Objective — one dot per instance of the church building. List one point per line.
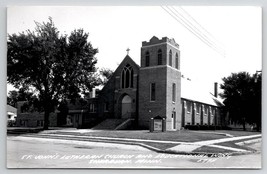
(135, 94)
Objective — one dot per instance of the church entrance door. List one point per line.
(126, 107)
(173, 120)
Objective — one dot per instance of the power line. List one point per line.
(179, 17)
(208, 33)
(195, 31)
(200, 30)
(192, 28)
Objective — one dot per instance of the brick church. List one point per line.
(135, 94)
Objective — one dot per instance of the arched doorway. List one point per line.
(126, 107)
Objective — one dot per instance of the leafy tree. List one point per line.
(242, 98)
(12, 98)
(106, 73)
(20, 95)
(256, 98)
(56, 66)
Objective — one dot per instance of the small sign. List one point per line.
(157, 125)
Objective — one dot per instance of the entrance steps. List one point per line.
(114, 124)
(109, 124)
(128, 123)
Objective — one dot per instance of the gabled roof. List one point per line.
(194, 92)
(127, 59)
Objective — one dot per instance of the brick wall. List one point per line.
(34, 119)
(163, 76)
(113, 94)
(194, 117)
(147, 108)
(173, 77)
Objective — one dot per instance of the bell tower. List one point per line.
(160, 83)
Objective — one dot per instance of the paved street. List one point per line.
(29, 152)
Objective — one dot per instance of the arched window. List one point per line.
(176, 61)
(147, 58)
(170, 57)
(159, 57)
(127, 77)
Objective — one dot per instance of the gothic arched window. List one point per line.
(170, 58)
(147, 58)
(176, 61)
(127, 77)
(159, 57)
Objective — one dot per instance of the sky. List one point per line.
(113, 29)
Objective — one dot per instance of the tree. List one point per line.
(20, 95)
(256, 98)
(12, 98)
(106, 73)
(242, 98)
(56, 66)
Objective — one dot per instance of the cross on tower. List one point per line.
(128, 51)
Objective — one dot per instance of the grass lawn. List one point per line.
(177, 136)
